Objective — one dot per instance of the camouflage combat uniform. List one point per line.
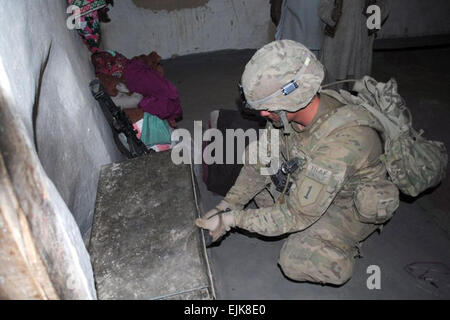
(319, 213)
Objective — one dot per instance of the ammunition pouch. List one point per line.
(376, 201)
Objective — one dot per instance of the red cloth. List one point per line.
(161, 97)
(110, 63)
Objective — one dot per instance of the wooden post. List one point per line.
(22, 273)
(42, 253)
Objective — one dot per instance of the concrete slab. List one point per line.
(144, 244)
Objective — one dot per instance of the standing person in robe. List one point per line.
(348, 42)
(298, 20)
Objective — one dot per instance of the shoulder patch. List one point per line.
(318, 173)
(317, 186)
(309, 191)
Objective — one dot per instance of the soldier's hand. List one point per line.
(222, 206)
(217, 225)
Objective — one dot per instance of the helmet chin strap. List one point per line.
(287, 130)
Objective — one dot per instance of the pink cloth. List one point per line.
(138, 127)
(161, 147)
(161, 97)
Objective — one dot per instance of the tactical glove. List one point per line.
(218, 223)
(215, 223)
(222, 206)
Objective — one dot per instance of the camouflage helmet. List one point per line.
(282, 76)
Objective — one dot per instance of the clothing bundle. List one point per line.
(160, 96)
(138, 86)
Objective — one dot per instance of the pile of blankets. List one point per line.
(138, 86)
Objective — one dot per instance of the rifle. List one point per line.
(124, 134)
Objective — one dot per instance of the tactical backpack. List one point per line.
(414, 163)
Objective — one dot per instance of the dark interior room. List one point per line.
(224, 150)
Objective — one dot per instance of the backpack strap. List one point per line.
(335, 95)
(392, 131)
(343, 117)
